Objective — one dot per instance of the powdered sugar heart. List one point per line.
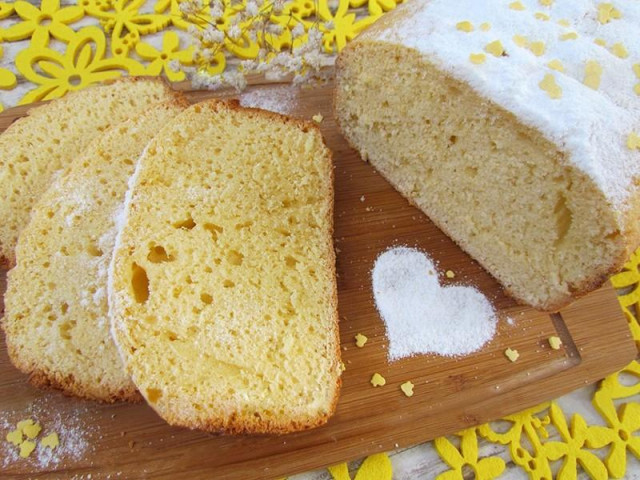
(422, 316)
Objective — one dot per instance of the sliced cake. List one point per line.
(222, 288)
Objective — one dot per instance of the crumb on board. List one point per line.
(450, 274)
(555, 342)
(317, 118)
(361, 340)
(512, 354)
(378, 380)
(407, 388)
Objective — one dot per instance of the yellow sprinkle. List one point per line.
(556, 65)
(477, 58)
(564, 22)
(512, 354)
(24, 423)
(378, 380)
(542, 16)
(568, 36)
(592, 74)
(450, 274)
(51, 441)
(636, 69)
(407, 388)
(32, 431)
(546, 3)
(619, 50)
(26, 448)
(600, 41)
(633, 141)
(485, 27)
(361, 340)
(516, 6)
(537, 48)
(15, 437)
(317, 118)
(607, 12)
(495, 48)
(554, 342)
(637, 88)
(520, 41)
(549, 85)
(343, 367)
(465, 26)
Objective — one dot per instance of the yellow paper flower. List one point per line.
(623, 423)
(125, 24)
(572, 448)
(375, 467)
(7, 78)
(161, 59)
(38, 24)
(176, 17)
(484, 469)
(82, 64)
(6, 9)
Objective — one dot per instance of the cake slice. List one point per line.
(222, 288)
(56, 313)
(36, 146)
(515, 127)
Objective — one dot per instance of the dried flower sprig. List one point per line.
(260, 22)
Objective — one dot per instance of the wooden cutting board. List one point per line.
(130, 441)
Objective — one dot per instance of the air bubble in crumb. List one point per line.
(74, 435)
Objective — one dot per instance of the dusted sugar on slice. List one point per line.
(222, 287)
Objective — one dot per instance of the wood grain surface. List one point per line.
(130, 441)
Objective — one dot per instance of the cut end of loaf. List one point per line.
(222, 289)
(503, 192)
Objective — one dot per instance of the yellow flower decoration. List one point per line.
(175, 15)
(6, 9)
(82, 64)
(619, 434)
(526, 424)
(628, 284)
(7, 79)
(484, 469)
(572, 448)
(344, 28)
(125, 23)
(375, 467)
(161, 59)
(38, 24)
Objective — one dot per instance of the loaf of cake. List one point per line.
(222, 288)
(36, 146)
(514, 126)
(56, 313)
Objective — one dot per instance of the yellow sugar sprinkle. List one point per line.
(554, 342)
(516, 6)
(26, 448)
(51, 441)
(15, 437)
(542, 16)
(633, 141)
(31, 431)
(343, 367)
(537, 48)
(636, 69)
(592, 74)
(485, 27)
(564, 22)
(619, 50)
(549, 85)
(378, 380)
(546, 3)
(317, 118)
(360, 340)
(450, 274)
(607, 12)
(512, 354)
(569, 36)
(636, 88)
(407, 388)
(23, 423)
(465, 26)
(556, 65)
(520, 40)
(495, 48)
(477, 58)
(600, 41)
